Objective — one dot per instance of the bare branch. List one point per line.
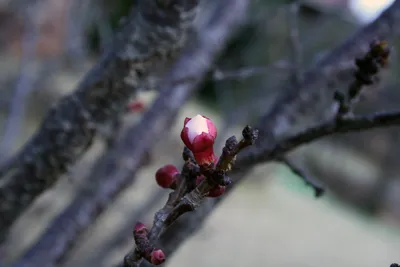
(149, 41)
(290, 102)
(187, 197)
(335, 126)
(368, 68)
(117, 169)
(313, 98)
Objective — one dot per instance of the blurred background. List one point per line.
(272, 219)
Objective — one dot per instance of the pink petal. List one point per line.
(186, 121)
(185, 138)
(202, 142)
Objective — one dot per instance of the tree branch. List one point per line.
(335, 126)
(276, 121)
(117, 169)
(319, 190)
(187, 196)
(312, 99)
(151, 38)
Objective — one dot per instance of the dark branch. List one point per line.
(343, 125)
(149, 41)
(117, 169)
(186, 199)
(312, 99)
(368, 69)
(319, 190)
(276, 122)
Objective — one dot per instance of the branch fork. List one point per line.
(199, 179)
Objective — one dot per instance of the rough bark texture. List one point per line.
(118, 167)
(152, 37)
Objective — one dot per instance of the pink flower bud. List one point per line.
(199, 134)
(166, 176)
(157, 257)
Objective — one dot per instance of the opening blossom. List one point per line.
(199, 134)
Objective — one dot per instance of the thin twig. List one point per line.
(334, 126)
(121, 236)
(318, 188)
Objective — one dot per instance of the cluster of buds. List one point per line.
(203, 175)
(198, 135)
(368, 68)
(154, 255)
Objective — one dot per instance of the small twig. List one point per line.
(335, 126)
(368, 68)
(154, 198)
(318, 188)
(185, 199)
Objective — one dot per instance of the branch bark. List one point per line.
(117, 169)
(313, 98)
(287, 111)
(152, 37)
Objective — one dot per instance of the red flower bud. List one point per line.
(217, 191)
(166, 176)
(157, 257)
(199, 134)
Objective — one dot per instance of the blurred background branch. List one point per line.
(278, 71)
